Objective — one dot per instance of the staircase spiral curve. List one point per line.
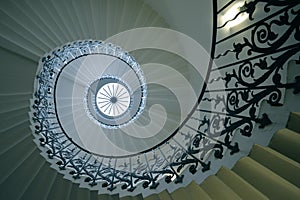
(128, 99)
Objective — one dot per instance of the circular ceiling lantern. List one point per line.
(100, 80)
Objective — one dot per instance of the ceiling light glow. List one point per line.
(231, 14)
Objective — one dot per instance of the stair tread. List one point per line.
(20, 179)
(61, 188)
(19, 21)
(136, 197)
(65, 20)
(287, 142)
(78, 193)
(94, 195)
(15, 137)
(195, 191)
(239, 185)
(266, 181)
(108, 197)
(165, 195)
(14, 101)
(18, 50)
(20, 82)
(179, 194)
(152, 197)
(44, 21)
(53, 17)
(278, 163)
(13, 32)
(36, 190)
(35, 23)
(293, 122)
(14, 157)
(217, 189)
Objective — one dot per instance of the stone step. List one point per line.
(239, 185)
(165, 195)
(136, 197)
(217, 189)
(287, 142)
(36, 190)
(293, 122)
(21, 178)
(195, 191)
(266, 181)
(61, 188)
(278, 163)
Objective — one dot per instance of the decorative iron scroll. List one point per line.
(230, 103)
(261, 51)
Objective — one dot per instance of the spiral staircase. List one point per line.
(256, 152)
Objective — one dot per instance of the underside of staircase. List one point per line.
(271, 172)
(30, 29)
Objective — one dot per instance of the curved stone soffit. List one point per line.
(238, 80)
